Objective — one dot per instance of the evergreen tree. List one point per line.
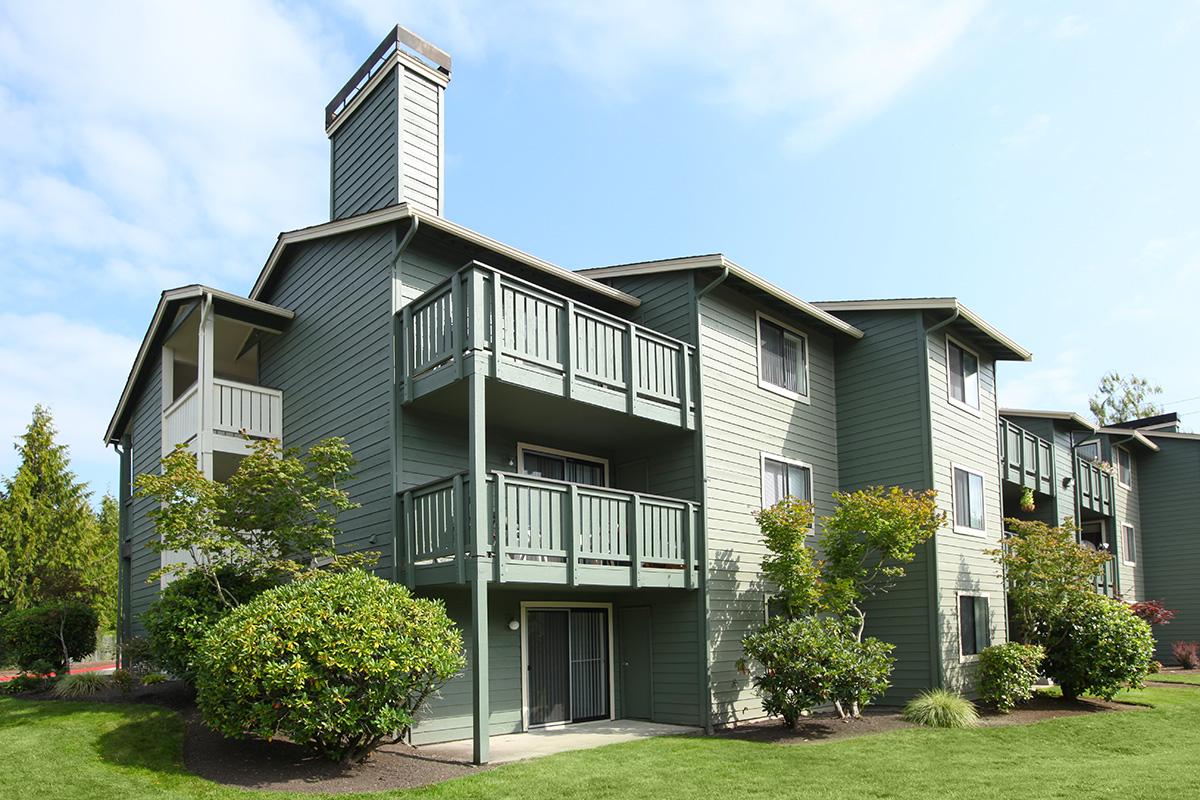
(48, 532)
(105, 561)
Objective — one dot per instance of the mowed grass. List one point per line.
(1191, 678)
(64, 751)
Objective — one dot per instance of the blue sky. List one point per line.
(1037, 160)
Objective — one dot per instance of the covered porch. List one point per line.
(548, 741)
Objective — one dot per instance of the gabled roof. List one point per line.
(1169, 420)
(1065, 416)
(1003, 347)
(252, 312)
(403, 211)
(719, 261)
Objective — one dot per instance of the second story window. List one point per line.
(782, 478)
(1088, 451)
(1128, 545)
(968, 501)
(1124, 467)
(782, 359)
(963, 366)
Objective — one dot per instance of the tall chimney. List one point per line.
(385, 129)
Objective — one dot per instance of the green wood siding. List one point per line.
(741, 422)
(882, 441)
(673, 644)
(666, 302)
(364, 169)
(1170, 559)
(1127, 511)
(146, 437)
(334, 367)
(968, 440)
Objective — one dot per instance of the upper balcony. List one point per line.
(1093, 486)
(545, 341)
(548, 531)
(1026, 459)
(237, 410)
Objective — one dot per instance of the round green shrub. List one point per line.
(53, 634)
(188, 608)
(1098, 647)
(814, 661)
(81, 684)
(941, 708)
(341, 662)
(1008, 672)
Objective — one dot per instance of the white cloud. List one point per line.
(821, 67)
(68, 366)
(1070, 27)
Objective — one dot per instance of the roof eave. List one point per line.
(1065, 416)
(718, 261)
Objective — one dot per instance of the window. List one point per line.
(963, 366)
(974, 630)
(560, 465)
(1128, 545)
(783, 478)
(968, 501)
(1089, 451)
(782, 359)
(1124, 467)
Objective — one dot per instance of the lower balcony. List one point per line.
(550, 532)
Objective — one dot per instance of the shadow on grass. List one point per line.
(148, 739)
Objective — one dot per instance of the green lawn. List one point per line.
(53, 751)
(1191, 678)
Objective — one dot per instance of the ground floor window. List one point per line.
(1128, 545)
(973, 627)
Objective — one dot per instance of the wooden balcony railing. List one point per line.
(548, 531)
(543, 340)
(1093, 487)
(1026, 459)
(236, 408)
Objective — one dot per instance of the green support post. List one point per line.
(479, 659)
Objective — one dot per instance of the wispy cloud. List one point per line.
(818, 67)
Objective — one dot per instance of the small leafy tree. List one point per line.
(790, 563)
(1153, 612)
(49, 635)
(276, 514)
(1047, 571)
(868, 539)
(1122, 398)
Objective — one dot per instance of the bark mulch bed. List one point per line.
(881, 719)
(278, 765)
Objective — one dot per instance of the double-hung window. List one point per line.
(968, 501)
(974, 630)
(782, 478)
(963, 367)
(782, 359)
(1128, 544)
(1124, 467)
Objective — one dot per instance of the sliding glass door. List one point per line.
(567, 665)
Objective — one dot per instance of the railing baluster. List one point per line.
(631, 366)
(567, 349)
(571, 536)
(501, 527)
(410, 541)
(635, 545)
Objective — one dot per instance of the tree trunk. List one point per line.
(1068, 692)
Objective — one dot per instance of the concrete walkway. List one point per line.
(547, 741)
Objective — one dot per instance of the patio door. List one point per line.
(567, 665)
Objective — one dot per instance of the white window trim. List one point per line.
(958, 596)
(976, 410)
(526, 605)
(1130, 562)
(762, 472)
(954, 502)
(768, 386)
(522, 447)
(1117, 458)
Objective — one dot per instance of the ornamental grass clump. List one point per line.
(81, 684)
(941, 708)
(341, 662)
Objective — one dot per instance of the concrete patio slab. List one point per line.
(547, 741)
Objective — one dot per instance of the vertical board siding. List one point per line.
(334, 367)
(364, 151)
(882, 442)
(741, 422)
(146, 438)
(967, 440)
(1170, 559)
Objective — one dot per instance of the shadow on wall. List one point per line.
(959, 671)
(726, 630)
